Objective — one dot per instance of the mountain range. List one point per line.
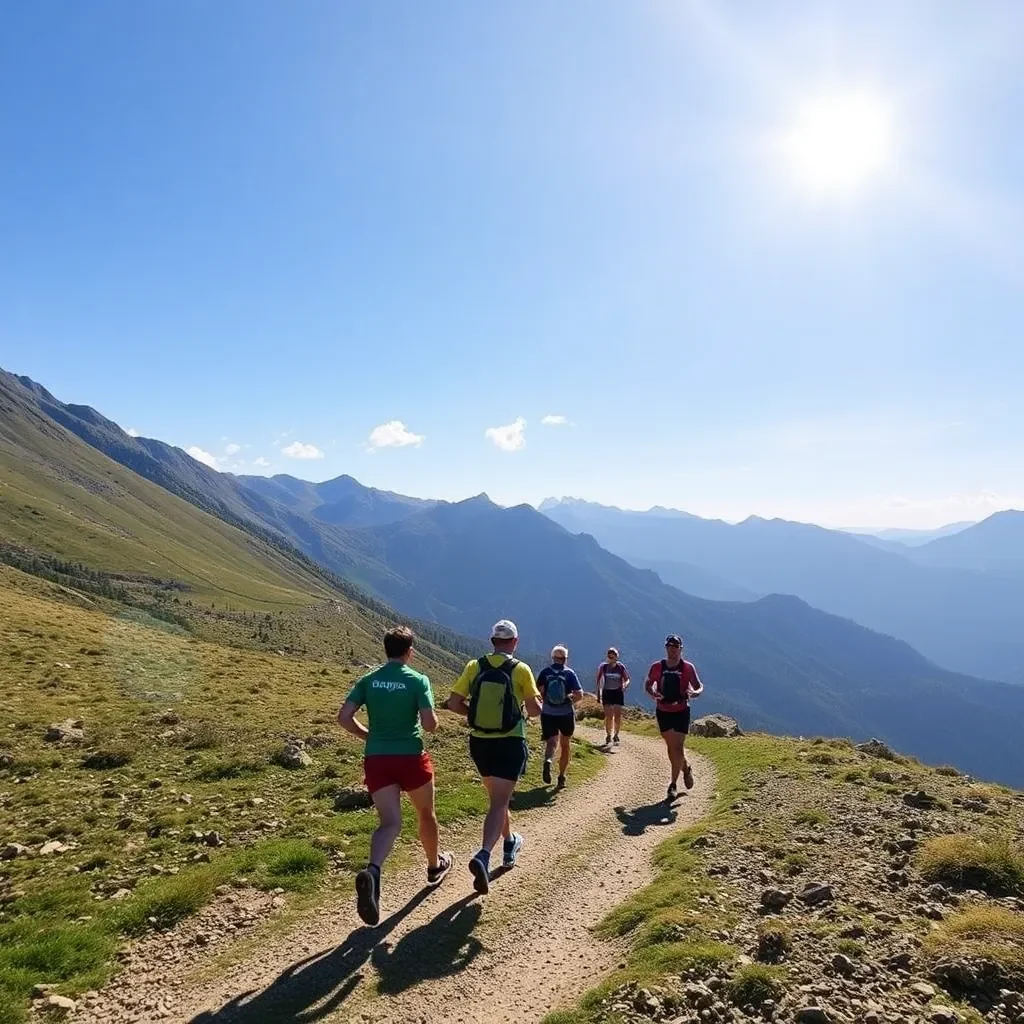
(772, 660)
(958, 599)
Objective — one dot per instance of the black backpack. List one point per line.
(673, 689)
(493, 707)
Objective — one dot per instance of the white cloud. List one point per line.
(298, 450)
(233, 449)
(509, 438)
(204, 457)
(132, 432)
(261, 462)
(555, 421)
(394, 434)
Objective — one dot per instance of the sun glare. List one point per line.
(839, 142)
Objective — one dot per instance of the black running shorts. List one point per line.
(501, 758)
(612, 698)
(675, 721)
(553, 725)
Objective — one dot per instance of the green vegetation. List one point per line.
(990, 933)
(752, 984)
(851, 947)
(965, 861)
(181, 735)
(811, 816)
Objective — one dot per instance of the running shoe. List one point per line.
(435, 876)
(687, 776)
(481, 875)
(547, 773)
(511, 850)
(616, 740)
(607, 741)
(672, 792)
(368, 896)
(561, 782)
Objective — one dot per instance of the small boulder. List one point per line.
(817, 892)
(71, 730)
(294, 755)
(775, 899)
(923, 990)
(352, 800)
(716, 726)
(944, 1015)
(12, 850)
(52, 847)
(813, 1015)
(876, 748)
(843, 965)
(40, 991)
(921, 800)
(59, 1005)
(6, 759)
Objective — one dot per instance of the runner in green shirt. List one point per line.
(400, 706)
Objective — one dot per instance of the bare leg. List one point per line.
(423, 800)
(563, 754)
(388, 802)
(497, 823)
(609, 715)
(617, 719)
(674, 753)
(549, 748)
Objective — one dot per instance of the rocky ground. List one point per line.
(834, 897)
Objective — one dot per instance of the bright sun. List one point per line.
(839, 142)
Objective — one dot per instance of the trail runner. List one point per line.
(672, 682)
(560, 687)
(496, 693)
(400, 707)
(612, 683)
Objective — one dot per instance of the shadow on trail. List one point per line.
(637, 821)
(531, 799)
(437, 949)
(315, 987)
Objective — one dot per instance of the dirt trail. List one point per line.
(447, 955)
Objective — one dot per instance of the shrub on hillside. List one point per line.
(108, 757)
(980, 947)
(754, 984)
(965, 862)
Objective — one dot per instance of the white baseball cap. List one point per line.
(504, 629)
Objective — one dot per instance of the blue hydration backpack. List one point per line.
(556, 690)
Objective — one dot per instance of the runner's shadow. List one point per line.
(531, 799)
(637, 821)
(314, 987)
(438, 949)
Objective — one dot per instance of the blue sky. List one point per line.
(265, 230)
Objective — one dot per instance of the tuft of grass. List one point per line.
(990, 933)
(966, 862)
(851, 947)
(108, 757)
(292, 864)
(163, 902)
(795, 862)
(752, 984)
(811, 816)
(774, 939)
(947, 769)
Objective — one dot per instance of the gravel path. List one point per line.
(447, 954)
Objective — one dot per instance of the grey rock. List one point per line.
(59, 1005)
(294, 755)
(716, 726)
(944, 1015)
(923, 990)
(876, 748)
(817, 892)
(813, 1015)
(843, 965)
(775, 899)
(52, 847)
(921, 800)
(12, 850)
(352, 800)
(71, 730)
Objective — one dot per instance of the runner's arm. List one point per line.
(651, 686)
(695, 679)
(348, 721)
(625, 677)
(459, 699)
(428, 719)
(599, 681)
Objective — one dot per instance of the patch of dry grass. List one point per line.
(967, 862)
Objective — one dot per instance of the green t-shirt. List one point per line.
(393, 696)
